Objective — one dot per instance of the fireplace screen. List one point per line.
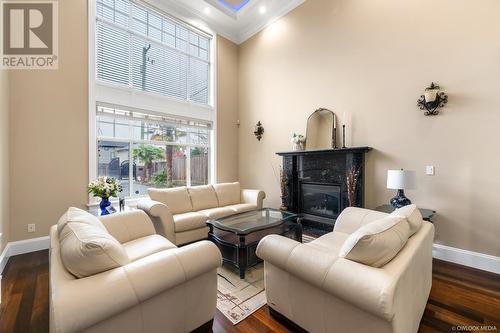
(321, 200)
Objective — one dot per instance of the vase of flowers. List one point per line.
(298, 141)
(104, 188)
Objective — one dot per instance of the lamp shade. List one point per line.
(401, 179)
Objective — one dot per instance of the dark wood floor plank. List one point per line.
(467, 300)
(39, 321)
(459, 296)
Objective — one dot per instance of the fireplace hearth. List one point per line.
(316, 183)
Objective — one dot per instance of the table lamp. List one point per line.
(401, 180)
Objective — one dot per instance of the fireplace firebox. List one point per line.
(315, 183)
(320, 200)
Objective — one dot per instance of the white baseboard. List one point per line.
(477, 260)
(21, 247)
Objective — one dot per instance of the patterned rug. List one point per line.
(238, 299)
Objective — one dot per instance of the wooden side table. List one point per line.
(427, 214)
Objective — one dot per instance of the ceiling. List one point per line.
(237, 20)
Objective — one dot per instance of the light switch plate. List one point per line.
(429, 170)
(31, 228)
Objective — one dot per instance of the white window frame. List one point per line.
(118, 95)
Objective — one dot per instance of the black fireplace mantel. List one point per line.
(322, 167)
(326, 151)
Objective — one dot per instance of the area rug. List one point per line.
(238, 299)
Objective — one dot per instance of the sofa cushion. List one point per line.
(241, 208)
(87, 249)
(203, 197)
(228, 193)
(376, 243)
(145, 246)
(217, 213)
(412, 215)
(74, 214)
(177, 199)
(189, 221)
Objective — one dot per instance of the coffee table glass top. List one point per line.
(245, 223)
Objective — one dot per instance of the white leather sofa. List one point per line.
(316, 287)
(130, 279)
(180, 214)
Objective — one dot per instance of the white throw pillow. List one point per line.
(74, 214)
(86, 248)
(376, 243)
(413, 216)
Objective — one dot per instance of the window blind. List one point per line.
(139, 47)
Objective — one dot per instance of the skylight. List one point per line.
(234, 5)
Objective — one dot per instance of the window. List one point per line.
(144, 150)
(140, 48)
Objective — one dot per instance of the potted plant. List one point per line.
(299, 141)
(104, 188)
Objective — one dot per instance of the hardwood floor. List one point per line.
(460, 296)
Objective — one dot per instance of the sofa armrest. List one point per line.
(127, 226)
(254, 197)
(82, 303)
(353, 218)
(368, 288)
(161, 216)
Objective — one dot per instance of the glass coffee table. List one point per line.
(237, 236)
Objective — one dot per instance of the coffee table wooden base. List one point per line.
(239, 250)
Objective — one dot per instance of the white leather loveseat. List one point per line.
(115, 274)
(180, 214)
(373, 273)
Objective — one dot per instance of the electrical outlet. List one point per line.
(31, 227)
(429, 170)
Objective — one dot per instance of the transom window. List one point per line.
(141, 48)
(145, 150)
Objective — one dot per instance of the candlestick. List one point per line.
(343, 136)
(334, 139)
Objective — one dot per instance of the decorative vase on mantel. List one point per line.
(298, 146)
(104, 204)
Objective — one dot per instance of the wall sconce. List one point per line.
(259, 131)
(432, 99)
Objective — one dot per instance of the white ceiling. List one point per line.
(236, 20)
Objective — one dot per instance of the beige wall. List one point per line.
(4, 159)
(373, 59)
(227, 110)
(49, 131)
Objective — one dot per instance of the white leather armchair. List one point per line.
(162, 289)
(321, 292)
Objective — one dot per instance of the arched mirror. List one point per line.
(321, 130)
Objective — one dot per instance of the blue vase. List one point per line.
(105, 203)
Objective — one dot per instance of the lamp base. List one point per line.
(400, 200)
